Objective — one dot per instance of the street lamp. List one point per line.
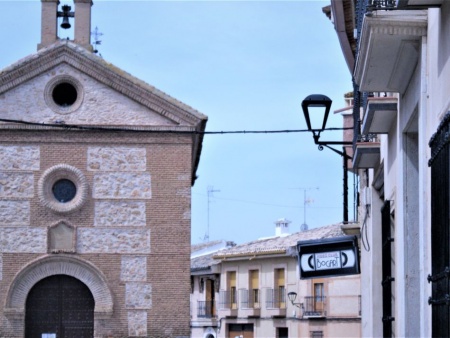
(323, 103)
(292, 296)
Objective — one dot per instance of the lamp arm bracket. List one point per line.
(343, 154)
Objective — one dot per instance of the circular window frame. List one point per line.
(50, 87)
(54, 174)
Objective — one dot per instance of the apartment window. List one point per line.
(280, 290)
(254, 288)
(232, 289)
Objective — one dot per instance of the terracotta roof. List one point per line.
(279, 245)
(203, 262)
(204, 245)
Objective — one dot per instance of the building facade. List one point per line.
(251, 283)
(95, 178)
(400, 63)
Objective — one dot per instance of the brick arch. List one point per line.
(59, 265)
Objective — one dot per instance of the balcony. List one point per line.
(276, 302)
(206, 309)
(250, 302)
(314, 307)
(389, 45)
(379, 115)
(332, 307)
(228, 306)
(403, 4)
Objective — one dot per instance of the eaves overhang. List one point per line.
(379, 115)
(251, 255)
(389, 49)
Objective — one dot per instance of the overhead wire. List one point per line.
(196, 132)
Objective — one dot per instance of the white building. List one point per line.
(399, 59)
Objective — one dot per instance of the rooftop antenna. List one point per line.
(210, 193)
(306, 202)
(97, 42)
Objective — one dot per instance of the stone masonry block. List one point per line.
(138, 295)
(19, 158)
(16, 185)
(117, 185)
(116, 159)
(137, 323)
(107, 240)
(23, 240)
(134, 268)
(14, 213)
(123, 213)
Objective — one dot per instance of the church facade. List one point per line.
(96, 172)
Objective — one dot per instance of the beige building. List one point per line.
(245, 290)
(95, 183)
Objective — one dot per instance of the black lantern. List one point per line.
(321, 104)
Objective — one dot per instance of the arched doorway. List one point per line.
(60, 306)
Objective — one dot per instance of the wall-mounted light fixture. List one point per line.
(322, 105)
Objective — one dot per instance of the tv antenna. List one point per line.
(306, 202)
(210, 193)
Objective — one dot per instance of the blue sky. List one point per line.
(247, 65)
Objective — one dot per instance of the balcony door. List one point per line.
(318, 296)
(210, 298)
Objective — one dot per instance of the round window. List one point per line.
(64, 94)
(63, 188)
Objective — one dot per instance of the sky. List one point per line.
(247, 65)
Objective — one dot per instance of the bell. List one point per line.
(65, 23)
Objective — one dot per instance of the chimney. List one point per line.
(82, 22)
(282, 227)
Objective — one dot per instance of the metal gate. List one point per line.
(59, 307)
(440, 234)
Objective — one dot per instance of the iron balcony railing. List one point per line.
(250, 299)
(228, 299)
(206, 309)
(276, 298)
(332, 306)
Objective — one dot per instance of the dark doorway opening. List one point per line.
(59, 306)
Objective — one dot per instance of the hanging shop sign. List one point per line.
(328, 257)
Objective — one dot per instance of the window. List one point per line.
(232, 289)
(280, 290)
(254, 288)
(316, 334)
